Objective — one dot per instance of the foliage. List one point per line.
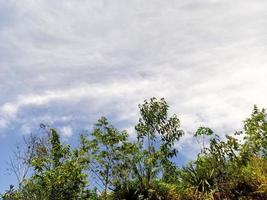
(109, 152)
(120, 169)
(255, 130)
(201, 135)
(57, 169)
(156, 134)
(158, 190)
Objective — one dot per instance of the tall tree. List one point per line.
(108, 149)
(157, 134)
(255, 131)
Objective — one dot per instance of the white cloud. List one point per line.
(84, 59)
(66, 131)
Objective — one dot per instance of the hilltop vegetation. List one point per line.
(109, 166)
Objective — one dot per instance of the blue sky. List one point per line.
(66, 63)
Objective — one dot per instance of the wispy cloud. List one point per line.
(69, 62)
(66, 131)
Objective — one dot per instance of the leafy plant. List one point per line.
(108, 152)
(156, 133)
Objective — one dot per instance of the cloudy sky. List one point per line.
(66, 63)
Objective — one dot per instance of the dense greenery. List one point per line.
(108, 165)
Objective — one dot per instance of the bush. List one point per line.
(158, 190)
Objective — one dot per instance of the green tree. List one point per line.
(255, 131)
(108, 152)
(209, 170)
(157, 134)
(201, 135)
(58, 172)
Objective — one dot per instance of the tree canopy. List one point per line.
(108, 165)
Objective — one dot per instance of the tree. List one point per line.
(255, 131)
(108, 151)
(20, 161)
(58, 172)
(209, 170)
(157, 134)
(201, 136)
(144, 169)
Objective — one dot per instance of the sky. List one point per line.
(67, 63)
